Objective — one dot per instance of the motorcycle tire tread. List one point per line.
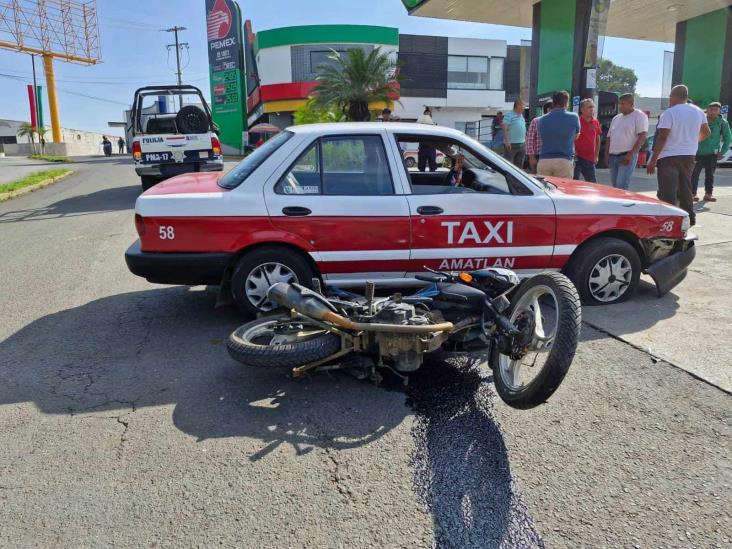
(562, 353)
(289, 355)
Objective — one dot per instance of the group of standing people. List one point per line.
(563, 144)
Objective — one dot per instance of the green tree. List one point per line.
(310, 113)
(614, 78)
(27, 130)
(354, 80)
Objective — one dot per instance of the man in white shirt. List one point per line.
(678, 133)
(627, 133)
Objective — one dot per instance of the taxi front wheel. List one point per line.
(259, 269)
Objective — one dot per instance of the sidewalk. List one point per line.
(15, 167)
(686, 327)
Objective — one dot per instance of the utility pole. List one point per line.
(177, 47)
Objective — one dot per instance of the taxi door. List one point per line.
(508, 224)
(340, 199)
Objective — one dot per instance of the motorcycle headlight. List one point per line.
(685, 224)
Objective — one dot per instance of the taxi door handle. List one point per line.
(296, 211)
(429, 210)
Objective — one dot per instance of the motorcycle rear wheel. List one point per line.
(554, 303)
(265, 344)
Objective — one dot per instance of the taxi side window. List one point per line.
(344, 166)
(304, 175)
(355, 166)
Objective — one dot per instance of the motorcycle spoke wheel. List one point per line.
(541, 303)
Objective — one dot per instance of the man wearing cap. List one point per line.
(386, 115)
(710, 150)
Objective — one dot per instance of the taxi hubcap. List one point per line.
(261, 278)
(610, 278)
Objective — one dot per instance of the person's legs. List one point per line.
(432, 158)
(421, 160)
(588, 171)
(613, 162)
(564, 168)
(685, 165)
(544, 167)
(668, 181)
(519, 154)
(625, 172)
(698, 165)
(709, 169)
(577, 169)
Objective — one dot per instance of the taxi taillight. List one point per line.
(139, 225)
(215, 145)
(136, 150)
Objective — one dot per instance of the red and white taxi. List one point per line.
(336, 201)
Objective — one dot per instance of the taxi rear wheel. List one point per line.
(257, 270)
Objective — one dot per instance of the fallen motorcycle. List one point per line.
(528, 330)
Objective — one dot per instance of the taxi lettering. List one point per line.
(473, 263)
(500, 232)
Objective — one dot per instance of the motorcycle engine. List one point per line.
(404, 350)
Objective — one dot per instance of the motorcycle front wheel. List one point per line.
(547, 304)
(280, 342)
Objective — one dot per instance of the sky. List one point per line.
(134, 51)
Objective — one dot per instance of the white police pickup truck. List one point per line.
(165, 145)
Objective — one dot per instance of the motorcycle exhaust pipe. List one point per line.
(309, 303)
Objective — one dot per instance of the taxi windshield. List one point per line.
(251, 162)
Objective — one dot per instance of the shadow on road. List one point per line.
(166, 346)
(105, 200)
(643, 311)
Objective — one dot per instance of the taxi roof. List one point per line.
(375, 127)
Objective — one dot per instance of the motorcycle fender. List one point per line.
(668, 272)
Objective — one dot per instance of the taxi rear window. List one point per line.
(245, 168)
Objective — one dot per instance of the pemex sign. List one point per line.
(226, 67)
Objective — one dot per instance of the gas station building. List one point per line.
(565, 35)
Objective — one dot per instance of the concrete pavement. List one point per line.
(685, 327)
(126, 423)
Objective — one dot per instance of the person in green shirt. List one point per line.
(514, 134)
(710, 150)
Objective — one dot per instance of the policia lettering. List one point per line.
(500, 232)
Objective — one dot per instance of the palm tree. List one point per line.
(41, 132)
(354, 80)
(27, 130)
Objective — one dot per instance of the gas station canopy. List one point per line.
(653, 20)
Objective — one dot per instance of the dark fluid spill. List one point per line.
(462, 473)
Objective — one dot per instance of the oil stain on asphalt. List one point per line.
(461, 468)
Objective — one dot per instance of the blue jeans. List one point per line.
(619, 173)
(585, 168)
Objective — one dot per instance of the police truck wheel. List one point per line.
(257, 270)
(605, 271)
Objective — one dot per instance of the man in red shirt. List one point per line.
(587, 145)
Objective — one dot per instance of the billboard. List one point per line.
(226, 70)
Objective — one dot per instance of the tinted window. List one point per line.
(245, 168)
(355, 166)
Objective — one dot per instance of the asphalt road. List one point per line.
(126, 423)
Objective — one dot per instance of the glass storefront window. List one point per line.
(467, 72)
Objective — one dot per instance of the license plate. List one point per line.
(158, 157)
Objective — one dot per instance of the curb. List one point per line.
(25, 190)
